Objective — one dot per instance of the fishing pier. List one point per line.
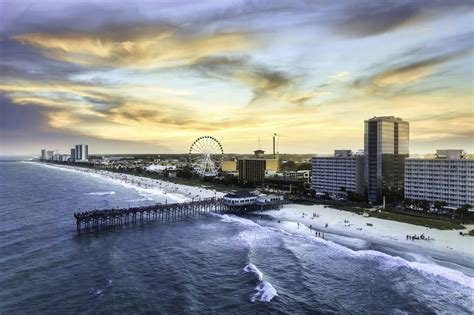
(97, 220)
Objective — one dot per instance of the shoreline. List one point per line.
(346, 224)
(349, 234)
(166, 189)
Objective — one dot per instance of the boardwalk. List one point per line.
(103, 219)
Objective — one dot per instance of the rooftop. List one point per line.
(386, 118)
(240, 194)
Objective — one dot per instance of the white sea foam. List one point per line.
(102, 193)
(427, 268)
(230, 218)
(253, 269)
(265, 292)
(100, 291)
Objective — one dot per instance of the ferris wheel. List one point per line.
(206, 156)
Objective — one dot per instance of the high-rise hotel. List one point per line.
(338, 174)
(448, 177)
(386, 148)
(81, 152)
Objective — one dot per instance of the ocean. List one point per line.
(212, 264)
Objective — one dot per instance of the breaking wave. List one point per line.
(427, 268)
(101, 193)
(265, 292)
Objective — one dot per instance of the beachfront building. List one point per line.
(73, 155)
(448, 177)
(239, 198)
(336, 175)
(386, 141)
(249, 200)
(81, 152)
(43, 154)
(63, 158)
(253, 170)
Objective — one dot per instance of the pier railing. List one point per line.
(104, 219)
(96, 220)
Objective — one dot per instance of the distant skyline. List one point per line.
(152, 76)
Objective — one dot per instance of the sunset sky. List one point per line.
(151, 76)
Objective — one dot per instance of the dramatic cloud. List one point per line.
(137, 47)
(129, 73)
(415, 65)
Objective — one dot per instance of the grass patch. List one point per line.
(441, 224)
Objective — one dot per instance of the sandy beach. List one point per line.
(332, 221)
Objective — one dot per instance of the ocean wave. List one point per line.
(253, 269)
(231, 218)
(140, 199)
(265, 291)
(100, 291)
(426, 267)
(101, 193)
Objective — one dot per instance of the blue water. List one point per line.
(214, 264)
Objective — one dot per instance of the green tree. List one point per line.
(463, 210)
(439, 205)
(185, 172)
(424, 204)
(304, 167)
(354, 197)
(288, 166)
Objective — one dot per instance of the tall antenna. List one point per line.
(259, 143)
(274, 152)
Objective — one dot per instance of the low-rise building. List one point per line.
(302, 175)
(229, 166)
(244, 199)
(338, 174)
(449, 177)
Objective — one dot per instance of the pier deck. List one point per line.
(96, 220)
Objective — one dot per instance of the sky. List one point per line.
(152, 76)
